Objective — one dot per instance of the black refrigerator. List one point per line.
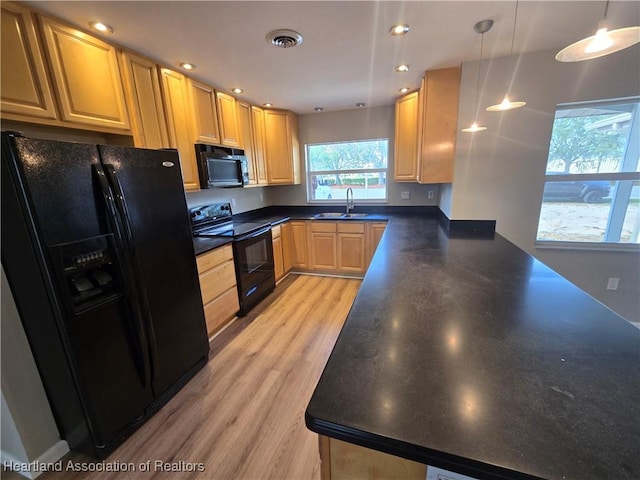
(98, 251)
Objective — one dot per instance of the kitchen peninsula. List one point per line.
(465, 353)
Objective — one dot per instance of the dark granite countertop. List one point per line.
(276, 216)
(470, 355)
(204, 244)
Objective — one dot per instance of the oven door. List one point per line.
(253, 255)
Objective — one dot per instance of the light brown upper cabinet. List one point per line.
(282, 149)
(86, 77)
(142, 87)
(440, 95)
(205, 113)
(246, 129)
(406, 138)
(25, 88)
(257, 121)
(228, 120)
(176, 96)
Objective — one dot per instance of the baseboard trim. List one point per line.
(38, 466)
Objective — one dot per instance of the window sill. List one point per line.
(343, 202)
(586, 246)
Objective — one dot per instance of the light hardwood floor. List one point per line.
(242, 416)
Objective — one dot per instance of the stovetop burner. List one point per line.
(215, 220)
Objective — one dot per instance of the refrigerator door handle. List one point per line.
(116, 227)
(121, 206)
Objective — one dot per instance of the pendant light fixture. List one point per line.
(507, 104)
(482, 27)
(602, 43)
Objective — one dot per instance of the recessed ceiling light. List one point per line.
(404, 90)
(402, 68)
(399, 29)
(360, 104)
(188, 66)
(101, 27)
(267, 105)
(318, 109)
(237, 90)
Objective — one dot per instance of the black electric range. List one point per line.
(252, 250)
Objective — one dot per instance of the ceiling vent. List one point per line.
(284, 38)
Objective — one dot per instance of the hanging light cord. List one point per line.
(479, 70)
(515, 20)
(606, 9)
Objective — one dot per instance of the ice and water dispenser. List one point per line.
(89, 270)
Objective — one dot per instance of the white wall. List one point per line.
(499, 173)
(355, 124)
(30, 431)
(243, 199)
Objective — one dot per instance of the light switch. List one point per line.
(405, 195)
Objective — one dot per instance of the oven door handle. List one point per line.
(255, 234)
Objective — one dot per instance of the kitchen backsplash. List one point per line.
(241, 199)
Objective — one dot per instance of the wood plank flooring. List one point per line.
(242, 416)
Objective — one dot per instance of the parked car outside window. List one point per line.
(585, 191)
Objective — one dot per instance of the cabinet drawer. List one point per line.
(276, 231)
(220, 310)
(216, 280)
(351, 227)
(323, 226)
(214, 257)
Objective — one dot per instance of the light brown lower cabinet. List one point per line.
(287, 247)
(351, 247)
(218, 287)
(334, 247)
(278, 257)
(323, 248)
(342, 460)
(299, 247)
(374, 231)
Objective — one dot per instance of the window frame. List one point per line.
(309, 173)
(621, 196)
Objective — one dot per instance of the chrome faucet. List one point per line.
(350, 205)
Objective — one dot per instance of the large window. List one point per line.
(592, 188)
(332, 168)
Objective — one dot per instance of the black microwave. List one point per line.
(221, 167)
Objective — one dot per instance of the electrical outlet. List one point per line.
(405, 195)
(262, 197)
(233, 202)
(613, 283)
(430, 194)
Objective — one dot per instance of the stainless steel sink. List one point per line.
(340, 215)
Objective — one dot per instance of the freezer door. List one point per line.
(64, 267)
(150, 184)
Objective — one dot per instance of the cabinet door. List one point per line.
(323, 245)
(287, 246)
(351, 247)
(257, 117)
(373, 235)
(148, 123)
(439, 126)
(278, 259)
(228, 120)
(278, 148)
(174, 88)
(205, 116)
(246, 129)
(406, 138)
(86, 77)
(300, 249)
(25, 88)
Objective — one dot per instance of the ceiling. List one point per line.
(347, 55)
